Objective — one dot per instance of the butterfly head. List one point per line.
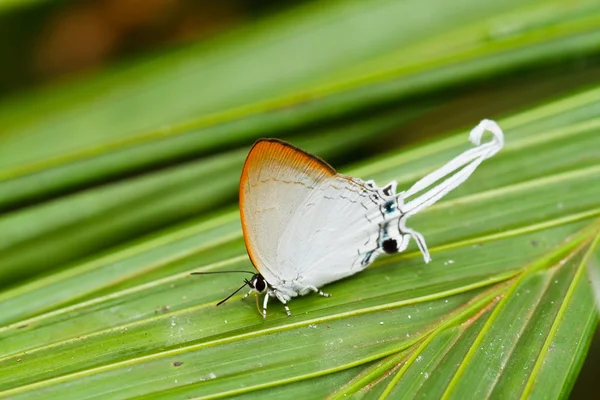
(257, 282)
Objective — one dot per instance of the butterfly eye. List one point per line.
(259, 284)
(390, 246)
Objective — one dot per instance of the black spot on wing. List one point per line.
(390, 246)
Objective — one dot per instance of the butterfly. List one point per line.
(305, 225)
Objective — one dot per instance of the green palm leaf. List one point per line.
(94, 306)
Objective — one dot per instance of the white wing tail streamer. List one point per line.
(466, 164)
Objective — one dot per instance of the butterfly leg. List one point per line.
(420, 243)
(248, 294)
(287, 310)
(265, 301)
(418, 238)
(314, 289)
(283, 301)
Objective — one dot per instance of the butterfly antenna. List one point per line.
(231, 295)
(222, 272)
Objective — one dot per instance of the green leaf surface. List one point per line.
(183, 325)
(101, 231)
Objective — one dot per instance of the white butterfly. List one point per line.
(306, 225)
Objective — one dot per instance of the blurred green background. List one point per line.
(46, 41)
(47, 47)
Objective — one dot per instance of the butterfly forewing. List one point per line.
(276, 180)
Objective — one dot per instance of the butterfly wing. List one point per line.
(277, 179)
